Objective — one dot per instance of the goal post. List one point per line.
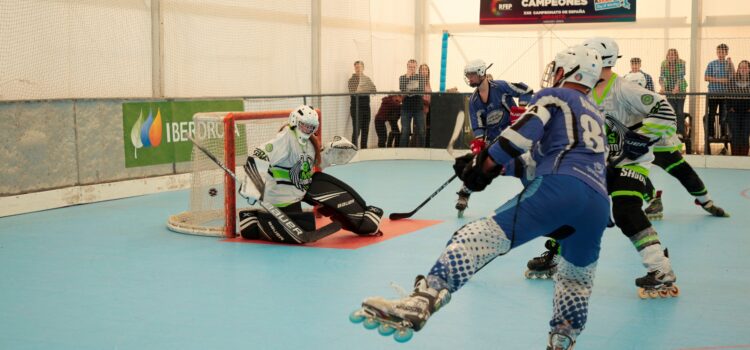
(231, 137)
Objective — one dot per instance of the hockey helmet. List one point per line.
(304, 121)
(607, 48)
(580, 64)
(477, 67)
(637, 78)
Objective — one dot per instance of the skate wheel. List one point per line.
(642, 293)
(370, 323)
(653, 293)
(403, 335)
(356, 317)
(674, 291)
(664, 293)
(528, 275)
(386, 330)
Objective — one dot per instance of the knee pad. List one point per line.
(628, 215)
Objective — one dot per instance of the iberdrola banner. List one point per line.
(555, 11)
(156, 132)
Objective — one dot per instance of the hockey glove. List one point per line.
(475, 178)
(516, 113)
(461, 163)
(477, 145)
(249, 191)
(636, 145)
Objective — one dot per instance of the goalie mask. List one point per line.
(477, 67)
(607, 48)
(637, 78)
(304, 121)
(581, 65)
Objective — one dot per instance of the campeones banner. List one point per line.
(555, 11)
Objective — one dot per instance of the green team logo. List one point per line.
(647, 99)
(302, 172)
(269, 148)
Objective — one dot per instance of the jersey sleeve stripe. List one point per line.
(517, 139)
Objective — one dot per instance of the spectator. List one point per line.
(635, 67)
(672, 82)
(389, 112)
(359, 109)
(412, 106)
(424, 72)
(739, 110)
(718, 73)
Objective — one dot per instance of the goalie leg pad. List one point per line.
(344, 205)
(258, 224)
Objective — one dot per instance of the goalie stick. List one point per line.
(294, 231)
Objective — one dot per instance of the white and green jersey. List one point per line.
(290, 167)
(639, 110)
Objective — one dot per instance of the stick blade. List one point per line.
(399, 216)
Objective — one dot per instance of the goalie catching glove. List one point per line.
(469, 168)
(337, 152)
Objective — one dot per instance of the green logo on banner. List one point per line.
(156, 132)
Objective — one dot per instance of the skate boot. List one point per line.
(655, 210)
(712, 209)
(545, 265)
(403, 316)
(658, 284)
(462, 203)
(560, 341)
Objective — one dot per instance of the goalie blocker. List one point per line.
(335, 199)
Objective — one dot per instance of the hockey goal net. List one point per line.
(230, 136)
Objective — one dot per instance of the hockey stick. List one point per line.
(456, 133)
(399, 216)
(295, 232)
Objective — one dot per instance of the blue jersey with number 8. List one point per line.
(564, 132)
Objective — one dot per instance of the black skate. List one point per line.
(403, 316)
(712, 209)
(462, 203)
(545, 265)
(657, 284)
(655, 209)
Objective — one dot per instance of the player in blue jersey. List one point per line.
(564, 132)
(490, 111)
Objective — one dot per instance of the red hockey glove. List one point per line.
(477, 145)
(516, 113)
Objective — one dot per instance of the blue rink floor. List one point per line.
(111, 276)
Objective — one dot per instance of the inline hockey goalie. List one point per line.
(289, 182)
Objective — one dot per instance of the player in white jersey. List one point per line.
(292, 156)
(668, 156)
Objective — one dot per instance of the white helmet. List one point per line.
(637, 78)
(304, 121)
(607, 48)
(477, 67)
(580, 64)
